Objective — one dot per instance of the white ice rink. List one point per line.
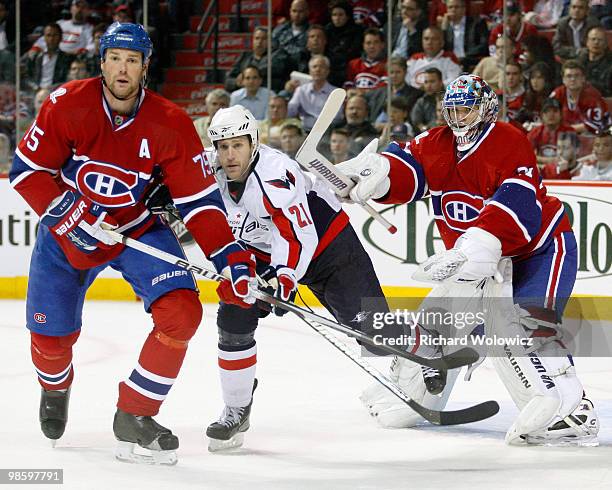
(308, 428)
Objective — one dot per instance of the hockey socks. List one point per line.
(237, 371)
(52, 358)
(176, 316)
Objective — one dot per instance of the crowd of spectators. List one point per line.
(546, 48)
(550, 65)
(59, 43)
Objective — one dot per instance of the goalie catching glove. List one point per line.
(238, 265)
(475, 256)
(78, 219)
(282, 285)
(369, 171)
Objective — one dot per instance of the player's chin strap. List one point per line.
(457, 359)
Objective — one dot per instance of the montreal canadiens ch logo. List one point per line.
(106, 184)
(460, 209)
(40, 318)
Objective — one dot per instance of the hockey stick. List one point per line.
(467, 415)
(309, 157)
(462, 357)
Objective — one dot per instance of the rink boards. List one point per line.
(395, 257)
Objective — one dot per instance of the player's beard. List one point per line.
(128, 93)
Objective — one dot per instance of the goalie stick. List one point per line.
(460, 358)
(309, 157)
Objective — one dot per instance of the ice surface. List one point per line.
(308, 428)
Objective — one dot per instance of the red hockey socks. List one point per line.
(176, 316)
(52, 358)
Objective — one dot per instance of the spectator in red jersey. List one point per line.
(369, 13)
(368, 71)
(516, 29)
(583, 106)
(514, 90)
(539, 86)
(545, 140)
(571, 31)
(433, 56)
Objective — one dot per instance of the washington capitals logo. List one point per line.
(285, 183)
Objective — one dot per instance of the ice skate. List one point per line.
(435, 379)
(228, 431)
(580, 428)
(53, 413)
(138, 431)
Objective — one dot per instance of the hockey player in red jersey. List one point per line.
(489, 202)
(86, 162)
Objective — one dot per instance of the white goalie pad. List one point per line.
(541, 379)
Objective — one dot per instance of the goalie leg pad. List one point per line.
(541, 380)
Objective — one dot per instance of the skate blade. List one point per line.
(53, 442)
(216, 445)
(126, 452)
(586, 441)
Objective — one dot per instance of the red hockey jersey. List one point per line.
(495, 186)
(590, 109)
(74, 144)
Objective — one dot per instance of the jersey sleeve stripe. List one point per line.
(21, 177)
(33, 165)
(194, 197)
(515, 218)
(521, 182)
(405, 157)
(522, 200)
(198, 210)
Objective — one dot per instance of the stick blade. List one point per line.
(468, 415)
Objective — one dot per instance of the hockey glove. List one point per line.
(283, 285)
(475, 256)
(77, 218)
(158, 200)
(238, 266)
(369, 171)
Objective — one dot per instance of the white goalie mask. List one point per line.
(473, 93)
(235, 121)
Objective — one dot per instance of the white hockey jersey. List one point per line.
(283, 214)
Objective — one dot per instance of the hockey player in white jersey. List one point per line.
(298, 231)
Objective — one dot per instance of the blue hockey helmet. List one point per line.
(127, 36)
